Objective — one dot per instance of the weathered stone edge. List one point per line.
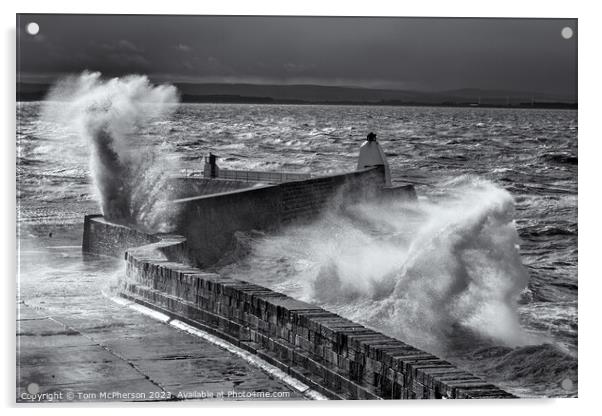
(333, 355)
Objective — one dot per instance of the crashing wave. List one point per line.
(110, 114)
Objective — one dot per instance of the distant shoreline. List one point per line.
(355, 96)
(269, 101)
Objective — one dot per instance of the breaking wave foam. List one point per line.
(419, 271)
(110, 115)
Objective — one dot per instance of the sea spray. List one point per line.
(424, 272)
(462, 268)
(127, 171)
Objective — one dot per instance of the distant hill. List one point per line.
(319, 94)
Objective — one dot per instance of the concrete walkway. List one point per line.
(75, 344)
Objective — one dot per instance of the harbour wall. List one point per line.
(335, 356)
(209, 221)
(212, 210)
(109, 239)
(188, 186)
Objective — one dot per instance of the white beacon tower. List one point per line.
(371, 154)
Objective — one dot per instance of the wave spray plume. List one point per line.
(126, 166)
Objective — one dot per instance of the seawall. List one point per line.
(335, 356)
(109, 239)
(189, 186)
(209, 221)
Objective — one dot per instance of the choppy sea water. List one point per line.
(469, 156)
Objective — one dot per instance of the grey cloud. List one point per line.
(423, 53)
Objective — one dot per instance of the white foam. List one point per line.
(416, 271)
(111, 117)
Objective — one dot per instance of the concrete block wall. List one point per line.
(340, 358)
(219, 208)
(258, 176)
(188, 186)
(209, 222)
(307, 198)
(105, 238)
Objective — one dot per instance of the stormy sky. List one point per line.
(425, 54)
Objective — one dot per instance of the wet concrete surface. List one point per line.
(76, 344)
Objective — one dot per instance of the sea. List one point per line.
(480, 270)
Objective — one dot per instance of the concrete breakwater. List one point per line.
(209, 221)
(335, 356)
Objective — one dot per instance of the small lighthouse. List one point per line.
(371, 154)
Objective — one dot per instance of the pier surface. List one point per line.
(77, 344)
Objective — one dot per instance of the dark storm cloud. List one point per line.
(408, 53)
